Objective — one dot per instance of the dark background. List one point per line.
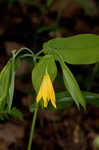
(29, 23)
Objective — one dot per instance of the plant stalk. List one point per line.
(32, 130)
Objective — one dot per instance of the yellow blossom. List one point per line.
(46, 91)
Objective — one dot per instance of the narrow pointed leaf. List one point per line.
(71, 83)
(14, 65)
(7, 76)
(4, 84)
(72, 86)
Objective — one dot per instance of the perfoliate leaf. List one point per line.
(79, 49)
(47, 63)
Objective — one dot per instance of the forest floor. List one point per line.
(30, 25)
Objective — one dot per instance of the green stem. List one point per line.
(26, 55)
(39, 52)
(21, 49)
(32, 130)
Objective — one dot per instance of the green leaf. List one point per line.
(15, 62)
(91, 98)
(4, 84)
(78, 49)
(11, 88)
(46, 63)
(7, 77)
(71, 83)
(72, 86)
(14, 113)
(64, 100)
(11, 85)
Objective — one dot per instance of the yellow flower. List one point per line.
(46, 91)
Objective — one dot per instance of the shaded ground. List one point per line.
(22, 24)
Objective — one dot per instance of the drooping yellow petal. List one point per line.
(39, 96)
(46, 91)
(51, 93)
